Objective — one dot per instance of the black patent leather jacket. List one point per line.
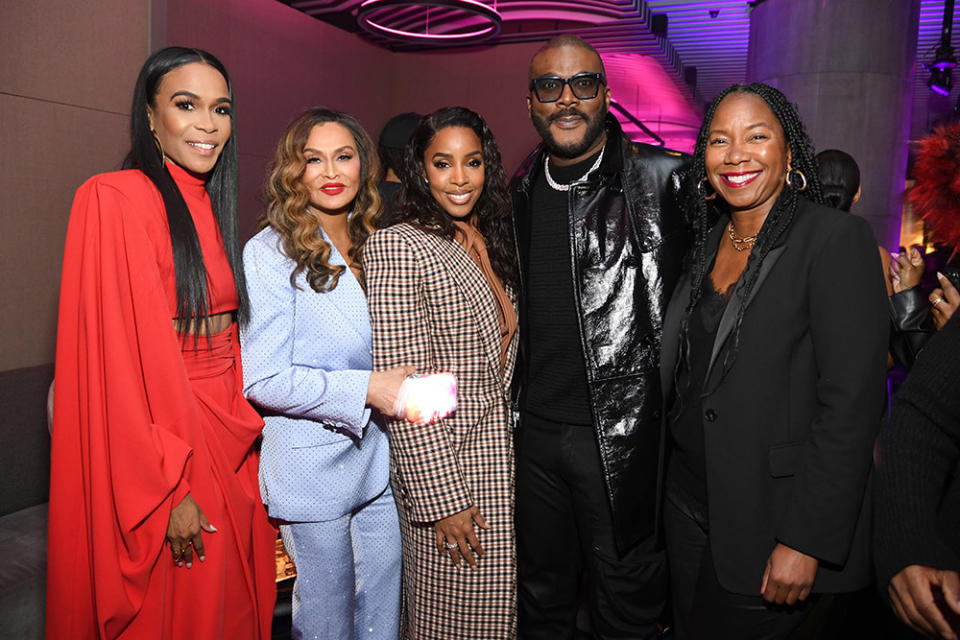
(628, 237)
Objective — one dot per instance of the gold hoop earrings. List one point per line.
(156, 143)
(803, 180)
(700, 191)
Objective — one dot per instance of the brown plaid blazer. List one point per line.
(431, 307)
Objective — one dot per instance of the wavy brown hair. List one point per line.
(288, 200)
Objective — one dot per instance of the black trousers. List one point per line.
(565, 544)
(702, 608)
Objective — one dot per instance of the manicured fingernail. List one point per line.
(202, 558)
(179, 564)
(940, 275)
(213, 528)
(189, 564)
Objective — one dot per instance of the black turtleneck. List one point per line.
(557, 376)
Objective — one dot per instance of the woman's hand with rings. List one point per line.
(183, 532)
(944, 301)
(456, 536)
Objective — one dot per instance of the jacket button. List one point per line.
(710, 415)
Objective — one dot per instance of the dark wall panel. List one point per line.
(25, 448)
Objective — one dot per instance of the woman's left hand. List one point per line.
(455, 535)
(789, 576)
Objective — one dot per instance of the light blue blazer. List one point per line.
(306, 366)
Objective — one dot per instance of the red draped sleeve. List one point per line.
(124, 411)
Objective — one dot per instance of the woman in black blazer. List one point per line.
(774, 360)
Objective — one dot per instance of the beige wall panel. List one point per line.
(281, 62)
(84, 53)
(65, 85)
(52, 149)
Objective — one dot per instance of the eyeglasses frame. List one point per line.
(566, 83)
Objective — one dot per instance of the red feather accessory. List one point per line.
(935, 196)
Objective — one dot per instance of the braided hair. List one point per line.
(705, 212)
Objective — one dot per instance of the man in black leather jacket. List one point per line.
(600, 237)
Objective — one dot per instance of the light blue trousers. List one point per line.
(348, 574)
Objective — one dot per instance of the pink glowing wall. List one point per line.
(641, 86)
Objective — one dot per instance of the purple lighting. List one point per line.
(457, 21)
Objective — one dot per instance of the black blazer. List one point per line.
(789, 427)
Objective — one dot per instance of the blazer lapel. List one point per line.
(472, 283)
(729, 317)
(670, 344)
(347, 294)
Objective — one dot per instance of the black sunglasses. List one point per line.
(585, 86)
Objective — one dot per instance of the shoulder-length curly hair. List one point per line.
(288, 200)
(704, 212)
(417, 206)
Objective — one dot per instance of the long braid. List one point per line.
(700, 220)
(775, 225)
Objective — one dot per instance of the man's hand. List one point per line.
(789, 576)
(912, 595)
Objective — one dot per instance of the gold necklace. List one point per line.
(740, 244)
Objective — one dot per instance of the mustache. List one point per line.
(566, 113)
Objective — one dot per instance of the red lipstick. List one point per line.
(739, 179)
(333, 188)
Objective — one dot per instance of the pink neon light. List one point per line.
(476, 3)
(483, 11)
(429, 36)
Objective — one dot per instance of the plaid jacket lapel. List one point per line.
(471, 282)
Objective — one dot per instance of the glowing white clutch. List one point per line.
(425, 398)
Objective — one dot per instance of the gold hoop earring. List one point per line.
(700, 191)
(156, 143)
(803, 179)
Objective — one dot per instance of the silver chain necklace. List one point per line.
(566, 187)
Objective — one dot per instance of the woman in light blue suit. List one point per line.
(324, 468)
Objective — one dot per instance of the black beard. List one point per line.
(593, 132)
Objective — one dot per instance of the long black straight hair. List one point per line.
(193, 301)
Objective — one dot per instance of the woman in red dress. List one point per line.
(156, 525)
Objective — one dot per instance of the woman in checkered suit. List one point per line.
(441, 294)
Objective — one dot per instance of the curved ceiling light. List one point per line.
(478, 21)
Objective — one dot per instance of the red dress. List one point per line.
(142, 418)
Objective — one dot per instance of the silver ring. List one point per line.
(451, 545)
(937, 301)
